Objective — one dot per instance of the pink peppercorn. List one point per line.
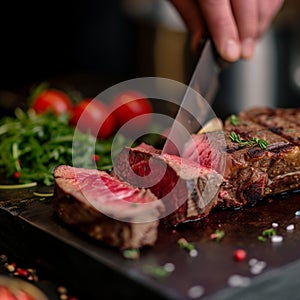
(240, 255)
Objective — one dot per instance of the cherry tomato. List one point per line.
(54, 100)
(94, 116)
(129, 105)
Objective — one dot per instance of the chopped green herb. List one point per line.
(234, 120)
(289, 130)
(269, 232)
(131, 253)
(43, 194)
(157, 272)
(261, 238)
(263, 144)
(217, 235)
(184, 244)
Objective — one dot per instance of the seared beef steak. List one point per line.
(248, 172)
(188, 192)
(105, 208)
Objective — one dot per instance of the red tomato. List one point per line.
(130, 104)
(94, 116)
(54, 100)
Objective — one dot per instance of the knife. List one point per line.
(195, 108)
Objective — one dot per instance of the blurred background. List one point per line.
(93, 44)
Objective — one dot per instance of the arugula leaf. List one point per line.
(34, 144)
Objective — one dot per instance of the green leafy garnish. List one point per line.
(234, 120)
(263, 144)
(32, 145)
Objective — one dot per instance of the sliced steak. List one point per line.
(105, 208)
(187, 191)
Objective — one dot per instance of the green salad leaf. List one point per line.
(32, 145)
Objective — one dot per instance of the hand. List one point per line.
(234, 25)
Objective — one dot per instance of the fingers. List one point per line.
(234, 25)
(267, 10)
(246, 17)
(190, 12)
(222, 27)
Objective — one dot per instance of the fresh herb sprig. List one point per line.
(234, 120)
(32, 145)
(263, 144)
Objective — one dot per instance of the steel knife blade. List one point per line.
(195, 108)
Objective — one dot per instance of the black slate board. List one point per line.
(30, 230)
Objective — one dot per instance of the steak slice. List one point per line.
(187, 191)
(105, 208)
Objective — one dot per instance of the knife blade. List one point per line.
(195, 108)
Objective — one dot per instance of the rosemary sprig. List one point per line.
(263, 144)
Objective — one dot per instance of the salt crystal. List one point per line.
(277, 238)
(169, 267)
(290, 227)
(238, 281)
(274, 225)
(253, 261)
(193, 253)
(297, 213)
(196, 291)
(257, 266)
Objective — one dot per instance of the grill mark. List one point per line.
(282, 122)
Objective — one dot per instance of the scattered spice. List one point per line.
(196, 291)
(263, 144)
(256, 266)
(169, 267)
(240, 255)
(290, 227)
(277, 239)
(184, 244)
(193, 253)
(217, 235)
(274, 225)
(238, 281)
(30, 275)
(131, 253)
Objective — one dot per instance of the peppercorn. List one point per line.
(240, 255)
